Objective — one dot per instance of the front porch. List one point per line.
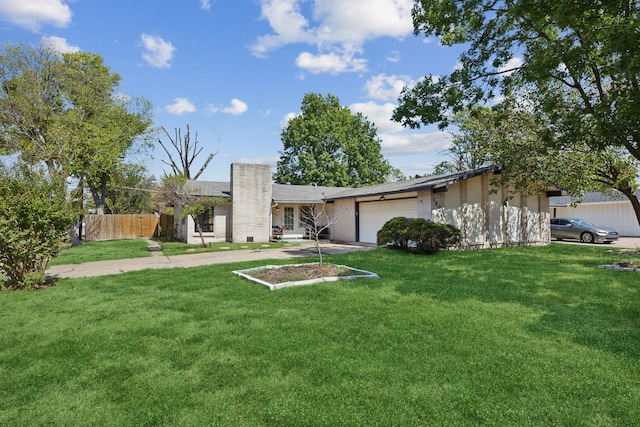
(278, 234)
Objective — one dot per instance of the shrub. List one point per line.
(417, 235)
(35, 222)
(394, 233)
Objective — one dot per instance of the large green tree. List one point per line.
(577, 59)
(513, 138)
(67, 111)
(130, 190)
(328, 145)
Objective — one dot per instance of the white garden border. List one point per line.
(359, 274)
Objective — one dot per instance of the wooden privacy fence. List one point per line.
(115, 227)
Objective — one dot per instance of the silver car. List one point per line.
(576, 228)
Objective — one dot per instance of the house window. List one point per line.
(205, 221)
(288, 218)
(308, 216)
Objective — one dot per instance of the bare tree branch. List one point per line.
(187, 153)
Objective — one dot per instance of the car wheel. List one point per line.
(586, 238)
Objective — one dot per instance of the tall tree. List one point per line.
(513, 138)
(67, 111)
(328, 145)
(102, 122)
(187, 151)
(130, 190)
(578, 59)
(468, 148)
(31, 104)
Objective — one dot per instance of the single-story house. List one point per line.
(608, 210)
(259, 210)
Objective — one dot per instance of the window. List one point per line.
(205, 221)
(308, 216)
(288, 218)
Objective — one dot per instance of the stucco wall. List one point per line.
(220, 227)
(492, 219)
(344, 229)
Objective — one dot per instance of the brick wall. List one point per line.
(251, 208)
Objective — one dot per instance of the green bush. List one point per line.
(35, 222)
(417, 235)
(394, 233)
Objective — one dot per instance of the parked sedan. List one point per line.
(576, 228)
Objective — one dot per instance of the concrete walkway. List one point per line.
(305, 249)
(158, 260)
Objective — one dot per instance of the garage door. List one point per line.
(373, 215)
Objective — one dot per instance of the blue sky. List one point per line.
(236, 70)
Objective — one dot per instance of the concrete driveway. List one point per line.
(621, 243)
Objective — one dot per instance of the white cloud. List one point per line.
(205, 4)
(285, 120)
(399, 142)
(158, 52)
(511, 65)
(387, 88)
(32, 14)
(361, 20)
(59, 44)
(393, 56)
(180, 106)
(332, 63)
(415, 143)
(271, 161)
(338, 28)
(236, 108)
(378, 114)
(287, 22)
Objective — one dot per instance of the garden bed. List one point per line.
(630, 266)
(282, 276)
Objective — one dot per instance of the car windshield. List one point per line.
(581, 222)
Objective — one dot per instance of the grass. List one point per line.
(138, 248)
(103, 251)
(178, 248)
(504, 337)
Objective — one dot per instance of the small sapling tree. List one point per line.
(316, 221)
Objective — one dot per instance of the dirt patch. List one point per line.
(283, 276)
(632, 266)
(295, 273)
(629, 264)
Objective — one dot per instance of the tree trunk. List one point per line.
(197, 225)
(99, 197)
(635, 203)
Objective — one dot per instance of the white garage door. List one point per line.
(373, 215)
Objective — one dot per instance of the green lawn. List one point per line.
(102, 251)
(503, 337)
(138, 248)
